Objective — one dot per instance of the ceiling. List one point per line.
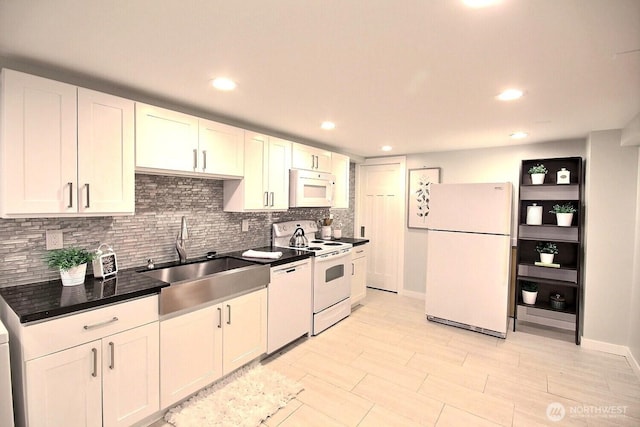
(418, 75)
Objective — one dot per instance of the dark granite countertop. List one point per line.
(43, 300)
(38, 301)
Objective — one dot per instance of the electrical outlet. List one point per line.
(245, 225)
(54, 239)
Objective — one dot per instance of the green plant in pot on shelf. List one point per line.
(72, 263)
(564, 214)
(547, 250)
(529, 292)
(538, 172)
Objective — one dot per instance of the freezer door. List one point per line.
(468, 279)
(479, 208)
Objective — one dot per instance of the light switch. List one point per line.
(53, 239)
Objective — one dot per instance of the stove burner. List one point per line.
(315, 248)
(333, 244)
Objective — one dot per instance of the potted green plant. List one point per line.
(546, 250)
(564, 214)
(72, 263)
(529, 292)
(538, 172)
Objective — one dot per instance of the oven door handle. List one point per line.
(324, 258)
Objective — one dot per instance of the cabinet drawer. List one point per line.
(64, 332)
(359, 251)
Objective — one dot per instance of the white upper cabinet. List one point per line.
(221, 149)
(340, 169)
(173, 143)
(165, 140)
(266, 176)
(311, 158)
(65, 151)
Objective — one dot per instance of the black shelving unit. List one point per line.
(567, 278)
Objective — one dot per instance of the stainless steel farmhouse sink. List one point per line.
(207, 281)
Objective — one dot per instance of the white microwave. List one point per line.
(308, 189)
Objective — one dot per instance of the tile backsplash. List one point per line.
(161, 201)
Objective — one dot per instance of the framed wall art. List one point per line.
(418, 197)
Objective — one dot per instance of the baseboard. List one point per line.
(620, 350)
(412, 294)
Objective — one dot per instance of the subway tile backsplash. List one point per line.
(161, 201)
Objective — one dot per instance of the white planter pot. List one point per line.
(546, 258)
(529, 297)
(564, 219)
(73, 276)
(537, 178)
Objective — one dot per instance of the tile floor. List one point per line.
(386, 365)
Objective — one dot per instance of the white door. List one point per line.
(279, 165)
(256, 174)
(39, 145)
(65, 388)
(381, 220)
(130, 375)
(106, 150)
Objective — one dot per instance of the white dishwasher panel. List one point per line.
(289, 314)
(6, 400)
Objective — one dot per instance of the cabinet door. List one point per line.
(38, 144)
(359, 274)
(165, 139)
(131, 377)
(340, 169)
(256, 173)
(245, 329)
(311, 158)
(279, 165)
(191, 348)
(106, 147)
(221, 149)
(64, 388)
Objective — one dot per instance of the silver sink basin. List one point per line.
(208, 281)
(188, 272)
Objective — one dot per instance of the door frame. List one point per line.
(402, 178)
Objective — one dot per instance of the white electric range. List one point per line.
(331, 262)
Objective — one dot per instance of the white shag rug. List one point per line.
(245, 398)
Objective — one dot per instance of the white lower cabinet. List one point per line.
(199, 347)
(359, 273)
(109, 382)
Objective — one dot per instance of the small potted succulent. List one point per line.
(529, 292)
(564, 214)
(538, 172)
(546, 250)
(72, 263)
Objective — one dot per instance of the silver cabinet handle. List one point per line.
(70, 195)
(88, 202)
(229, 314)
(266, 199)
(219, 317)
(95, 362)
(353, 269)
(204, 160)
(362, 231)
(97, 325)
(195, 159)
(272, 199)
(112, 347)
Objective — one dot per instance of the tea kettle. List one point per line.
(298, 240)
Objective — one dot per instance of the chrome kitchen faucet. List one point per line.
(183, 235)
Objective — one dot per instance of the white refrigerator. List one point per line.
(468, 256)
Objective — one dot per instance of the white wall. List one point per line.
(634, 333)
(611, 203)
(471, 166)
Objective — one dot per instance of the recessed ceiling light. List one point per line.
(386, 148)
(510, 95)
(519, 135)
(476, 4)
(328, 125)
(223, 83)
